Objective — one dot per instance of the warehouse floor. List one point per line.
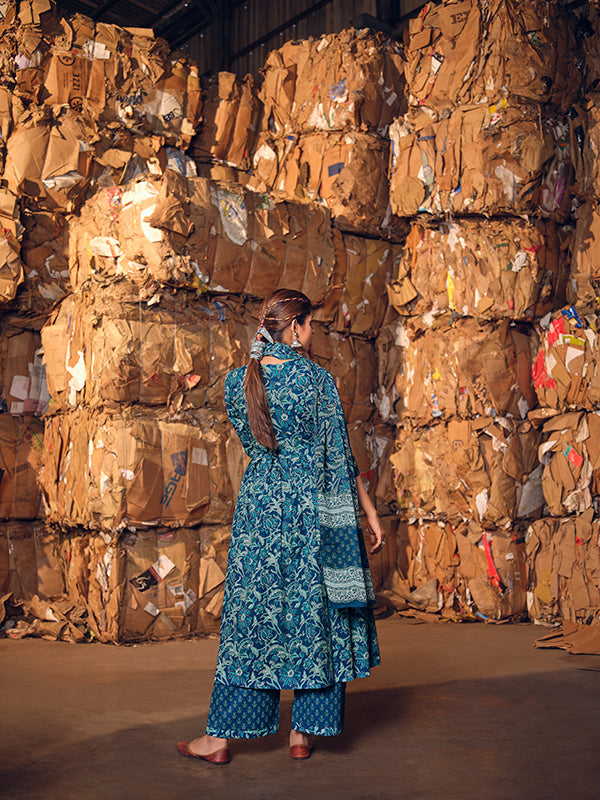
(456, 712)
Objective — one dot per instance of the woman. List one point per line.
(297, 610)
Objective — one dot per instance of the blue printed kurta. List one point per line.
(279, 629)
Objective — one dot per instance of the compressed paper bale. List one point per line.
(347, 172)
(198, 234)
(566, 368)
(45, 256)
(491, 574)
(34, 564)
(232, 112)
(106, 471)
(583, 289)
(11, 267)
(467, 470)
(564, 563)
(21, 444)
(481, 268)
(474, 52)
(108, 345)
(465, 369)
(351, 80)
(570, 453)
(515, 161)
(23, 388)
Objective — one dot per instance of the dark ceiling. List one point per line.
(177, 21)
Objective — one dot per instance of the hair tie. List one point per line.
(261, 337)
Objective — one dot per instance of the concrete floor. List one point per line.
(455, 712)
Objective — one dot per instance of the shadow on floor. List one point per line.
(529, 737)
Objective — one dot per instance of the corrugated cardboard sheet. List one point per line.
(513, 161)
(583, 290)
(11, 232)
(481, 52)
(564, 559)
(566, 368)
(482, 268)
(137, 467)
(457, 369)
(482, 470)
(351, 80)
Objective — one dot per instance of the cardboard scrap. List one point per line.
(351, 80)
(566, 368)
(347, 172)
(33, 564)
(564, 562)
(23, 388)
(583, 289)
(467, 470)
(467, 52)
(513, 161)
(232, 113)
(21, 453)
(106, 346)
(460, 370)
(573, 637)
(481, 268)
(570, 453)
(201, 235)
(136, 467)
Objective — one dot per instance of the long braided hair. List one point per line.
(278, 311)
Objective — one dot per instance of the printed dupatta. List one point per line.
(343, 554)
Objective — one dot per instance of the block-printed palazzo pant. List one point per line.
(237, 712)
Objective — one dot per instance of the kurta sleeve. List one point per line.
(236, 409)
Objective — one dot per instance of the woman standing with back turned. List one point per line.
(298, 594)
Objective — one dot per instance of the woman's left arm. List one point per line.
(373, 523)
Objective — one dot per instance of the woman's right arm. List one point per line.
(373, 523)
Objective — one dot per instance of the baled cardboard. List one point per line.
(21, 446)
(584, 285)
(481, 268)
(466, 52)
(22, 376)
(513, 161)
(137, 467)
(107, 346)
(351, 80)
(34, 564)
(463, 369)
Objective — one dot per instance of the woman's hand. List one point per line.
(373, 523)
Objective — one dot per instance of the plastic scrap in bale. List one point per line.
(232, 112)
(570, 455)
(21, 446)
(351, 80)
(564, 564)
(481, 268)
(138, 467)
(566, 368)
(106, 346)
(464, 369)
(23, 388)
(468, 52)
(347, 172)
(514, 161)
(484, 470)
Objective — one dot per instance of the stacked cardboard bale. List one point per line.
(485, 142)
(328, 104)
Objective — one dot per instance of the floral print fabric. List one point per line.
(279, 630)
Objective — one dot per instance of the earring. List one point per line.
(296, 341)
